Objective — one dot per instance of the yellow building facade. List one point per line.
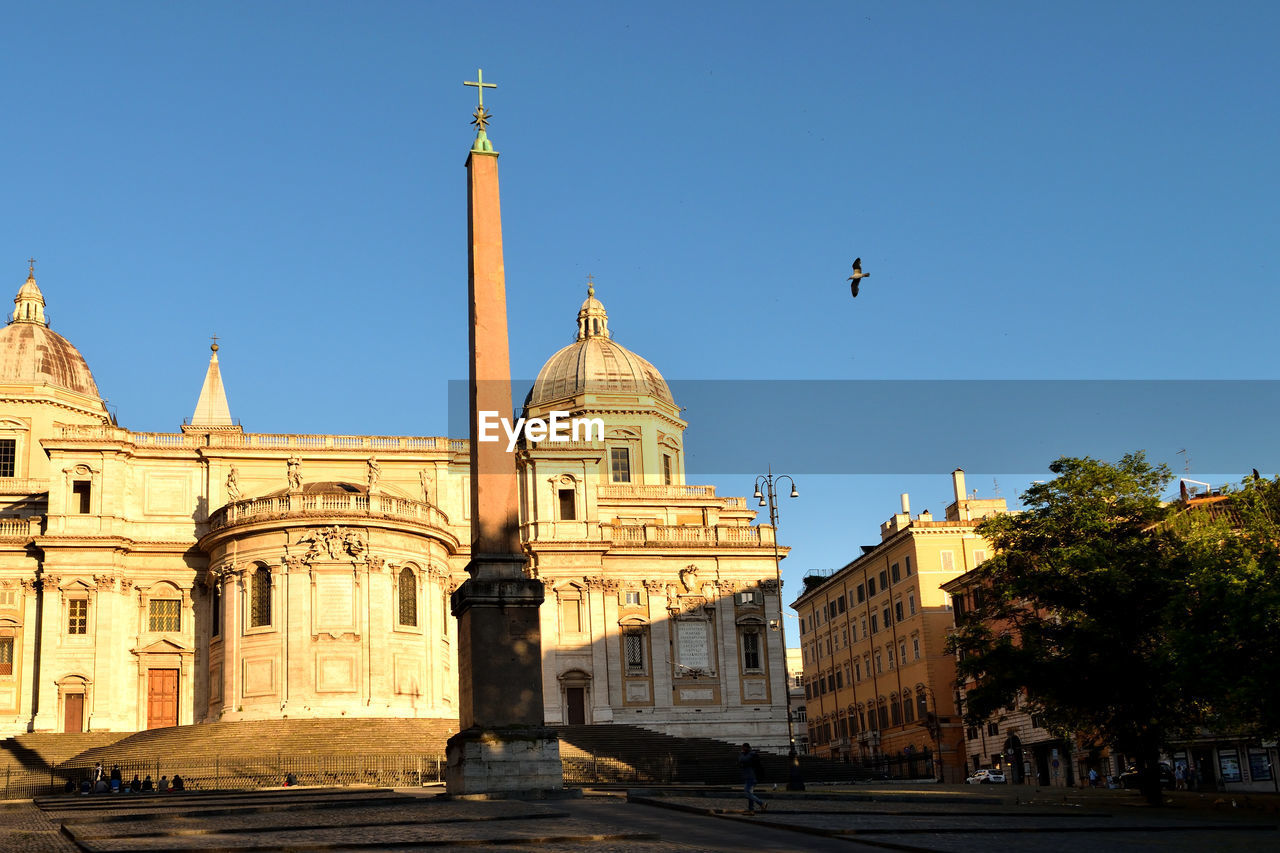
(878, 679)
(158, 579)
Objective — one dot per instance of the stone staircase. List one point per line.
(39, 751)
(639, 755)
(385, 752)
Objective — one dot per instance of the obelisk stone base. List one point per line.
(517, 761)
(504, 744)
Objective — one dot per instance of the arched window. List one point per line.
(408, 598)
(908, 707)
(922, 704)
(215, 608)
(260, 600)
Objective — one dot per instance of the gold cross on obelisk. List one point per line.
(480, 85)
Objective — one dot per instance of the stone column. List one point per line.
(503, 745)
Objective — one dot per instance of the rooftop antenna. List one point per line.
(1186, 461)
(995, 485)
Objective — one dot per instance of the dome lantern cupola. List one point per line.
(593, 322)
(29, 303)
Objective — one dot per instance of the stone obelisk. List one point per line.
(504, 745)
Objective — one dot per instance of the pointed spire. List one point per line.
(593, 322)
(211, 408)
(29, 303)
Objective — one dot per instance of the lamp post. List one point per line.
(769, 498)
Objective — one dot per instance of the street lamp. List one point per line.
(768, 497)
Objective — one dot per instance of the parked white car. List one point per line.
(986, 777)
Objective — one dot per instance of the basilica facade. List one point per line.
(213, 574)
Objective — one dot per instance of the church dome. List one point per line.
(33, 354)
(594, 363)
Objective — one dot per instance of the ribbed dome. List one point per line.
(33, 354)
(594, 363)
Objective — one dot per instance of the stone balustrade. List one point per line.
(624, 491)
(327, 503)
(261, 441)
(655, 535)
(20, 528)
(23, 485)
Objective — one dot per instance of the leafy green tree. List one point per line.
(1078, 603)
(1227, 642)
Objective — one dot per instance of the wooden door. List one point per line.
(576, 697)
(162, 698)
(73, 712)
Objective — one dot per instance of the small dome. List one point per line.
(33, 354)
(594, 363)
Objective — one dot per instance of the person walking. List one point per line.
(749, 763)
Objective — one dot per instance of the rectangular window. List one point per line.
(875, 626)
(862, 594)
(634, 650)
(906, 561)
(6, 655)
(893, 573)
(972, 734)
(620, 464)
(871, 587)
(8, 456)
(80, 496)
(887, 621)
(1229, 765)
(979, 557)
(915, 648)
(948, 561)
(897, 610)
(631, 598)
(993, 729)
(879, 662)
(1259, 764)
(568, 505)
(78, 616)
(164, 615)
(889, 654)
(857, 669)
(884, 580)
(911, 603)
(902, 651)
(840, 604)
(666, 469)
(839, 679)
(571, 616)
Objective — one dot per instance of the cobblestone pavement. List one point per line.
(859, 819)
(23, 827)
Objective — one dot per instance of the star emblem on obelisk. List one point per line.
(480, 118)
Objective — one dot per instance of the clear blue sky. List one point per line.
(1040, 191)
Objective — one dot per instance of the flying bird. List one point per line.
(857, 277)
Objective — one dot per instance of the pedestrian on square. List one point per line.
(163, 787)
(1093, 777)
(1180, 777)
(147, 784)
(135, 785)
(749, 763)
(177, 784)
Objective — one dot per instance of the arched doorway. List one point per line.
(573, 693)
